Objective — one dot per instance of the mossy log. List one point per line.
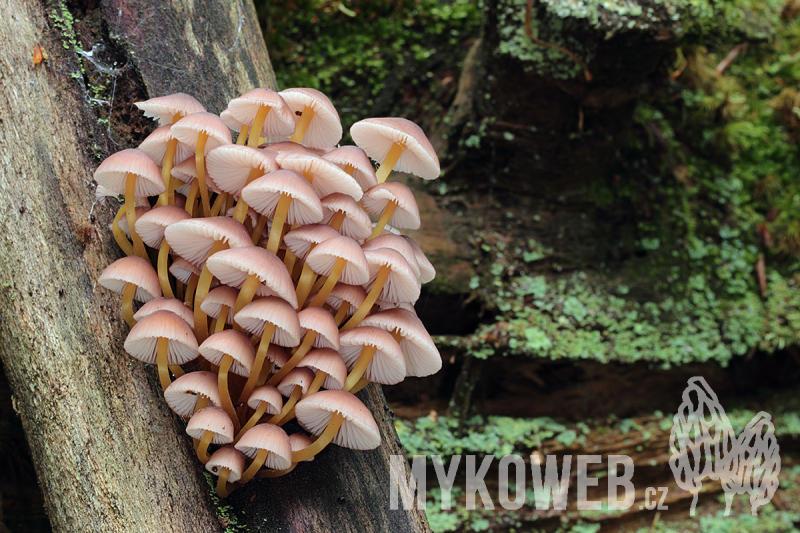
(109, 454)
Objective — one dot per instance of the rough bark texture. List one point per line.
(109, 454)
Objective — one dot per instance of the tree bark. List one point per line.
(109, 454)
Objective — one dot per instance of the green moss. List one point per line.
(563, 23)
(371, 54)
(226, 514)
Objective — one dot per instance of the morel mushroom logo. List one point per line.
(704, 445)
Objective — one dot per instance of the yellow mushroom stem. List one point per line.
(341, 314)
(262, 408)
(261, 354)
(222, 319)
(179, 289)
(241, 206)
(246, 294)
(318, 284)
(277, 223)
(130, 211)
(203, 284)
(119, 235)
(360, 385)
(319, 379)
(255, 466)
(200, 403)
(191, 198)
(367, 353)
(369, 301)
(163, 269)
(336, 221)
(222, 483)
(326, 289)
(324, 439)
(389, 161)
(127, 303)
(219, 204)
(258, 230)
(266, 371)
(224, 393)
(162, 351)
(287, 406)
(200, 165)
(388, 211)
(190, 288)
(277, 473)
(302, 350)
(202, 446)
(302, 125)
(176, 370)
(307, 279)
(242, 137)
(168, 196)
(255, 128)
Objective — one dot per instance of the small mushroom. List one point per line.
(267, 445)
(209, 426)
(372, 353)
(264, 400)
(231, 351)
(133, 278)
(318, 330)
(227, 464)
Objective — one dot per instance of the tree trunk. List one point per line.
(109, 454)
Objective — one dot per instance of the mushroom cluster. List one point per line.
(268, 292)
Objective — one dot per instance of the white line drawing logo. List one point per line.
(704, 445)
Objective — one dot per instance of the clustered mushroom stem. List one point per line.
(242, 137)
(203, 284)
(326, 289)
(262, 408)
(255, 128)
(261, 354)
(307, 279)
(200, 403)
(389, 162)
(276, 473)
(258, 230)
(369, 301)
(277, 223)
(336, 221)
(119, 235)
(200, 165)
(224, 393)
(385, 216)
(360, 367)
(302, 350)
(222, 483)
(258, 462)
(161, 359)
(246, 294)
(319, 379)
(318, 284)
(302, 125)
(241, 206)
(191, 198)
(202, 446)
(168, 196)
(221, 319)
(360, 385)
(289, 260)
(176, 370)
(163, 271)
(130, 211)
(324, 439)
(219, 203)
(127, 303)
(341, 314)
(287, 406)
(190, 288)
